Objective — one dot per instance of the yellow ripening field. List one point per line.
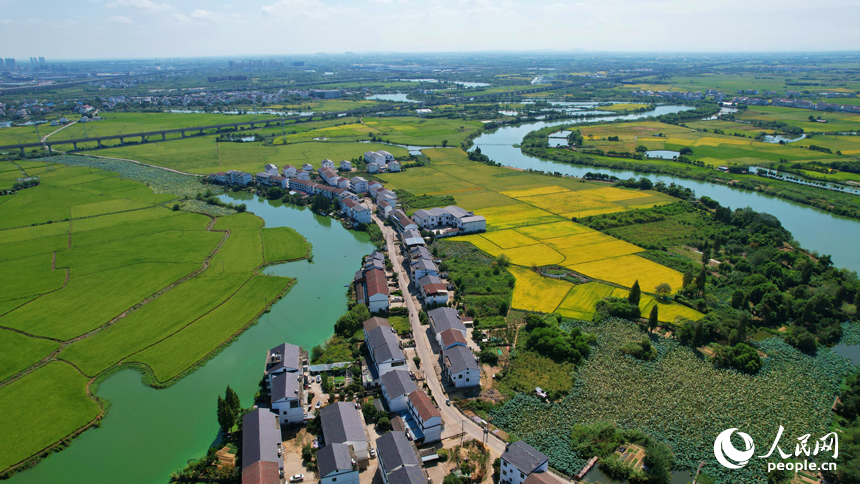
(529, 192)
(508, 239)
(625, 270)
(567, 201)
(572, 314)
(585, 238)
(583, 297)
(668, 311)
(533, 292)
(597, 252)
(613, 194)
(679, 141)
(553, 230)
(594, 211)
(506, 219)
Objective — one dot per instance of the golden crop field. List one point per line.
(625, 270)
(529, 220)
(535, 293)
(508, 239)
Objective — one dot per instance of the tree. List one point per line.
(663, 290)
(706, 256)
(369, 411)
(226, 418)
(635, 293)
(641, 149)
(857, 303)
(175, 207)
(737, 299)
(686, 151)
(653, 320)
(233, 402)
(688, 278)
(811, 118)
(702, 280)
(384, 424)
(417, 360)
(489, 356)
(444, 143)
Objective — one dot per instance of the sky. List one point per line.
(111, 29)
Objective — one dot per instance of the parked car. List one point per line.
(319, 403)
(319, 378)
(372, 452)
(448, 402)
(297, 478)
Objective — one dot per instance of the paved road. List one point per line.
(453, 418)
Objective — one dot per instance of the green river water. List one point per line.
(149, 433)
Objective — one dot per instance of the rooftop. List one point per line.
(398, 383)
(395, 451)
(452, 336)
(261, 435)
(334, 458)
(445, 318)
(283, 357)
(459, 358)
(341, 423)
(423, 405)
(523, 456)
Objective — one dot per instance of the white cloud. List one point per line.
(119, 19)
(144, 5)
(304, 8)
(202, 15)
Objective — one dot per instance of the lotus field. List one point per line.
(682, 400)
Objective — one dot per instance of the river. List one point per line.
(150, 433)
(814, 229)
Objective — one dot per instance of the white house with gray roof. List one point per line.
(450, 216)
(342, 424)
(336, 465)
(398, 460)
(358, 184)
(442, 319)
(396, 387)
(519, 461)
(384, 348)
(282, 358)
(326, 163)
(287, 397)
(460, 367)
(262, 460)
(374, 157)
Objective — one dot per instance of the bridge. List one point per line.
(161, 135)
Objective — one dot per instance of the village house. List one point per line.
(383, 209)
(388, 157)
(451, 338)
(358, 184)
(345, 165)
(220, 177)
(239, 177)
(460, 367)
(429, 421)
(329, 175)
(326, 163)
(304, 186)
(284, 358)
(398, 460)
(384, 348)
(262, 454)
(432, 290)
(263, 178)
(288, 171)
(412, 239)
(394, 167)
(519, 461)
(374, 157)
(303, 175)
(422, 267)
(278, 181)
(356, 211)
(270, 168)
(402, 222)
(371, 288)
(396, 387)
(372, 167)
(450, 216)
(336, 465)
(342, 424)
(287, 397)
(442, 319)
(342, 182)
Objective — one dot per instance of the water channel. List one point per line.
(814, 229)
(150, 433)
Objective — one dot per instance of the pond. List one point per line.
(595, 476)
(399, 97)
(814, 229)
(852, 352)
(150, 433)
(663, 154)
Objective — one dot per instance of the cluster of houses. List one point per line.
(371, 284)
(459, 365)
(792, 99)
(670, 94)
(417, 415)
(378, 161)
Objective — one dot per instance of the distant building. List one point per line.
(327, 164)
(289, 171)
(270, 168)
(358, 184)
(345, 165)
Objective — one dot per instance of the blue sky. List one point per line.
(67, 29)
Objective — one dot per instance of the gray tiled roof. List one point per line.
(333, 458)
(459, 358)
(341, 423)
(384, 345)
(397, 383)
(285, 385)
(424, 265)
(523, 456)
(290, 359)
(445, 318)
(260, 437)
(407, 475)
(429, 279)
(395, 450)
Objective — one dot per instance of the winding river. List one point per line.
(814, 229)
(150, 433)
